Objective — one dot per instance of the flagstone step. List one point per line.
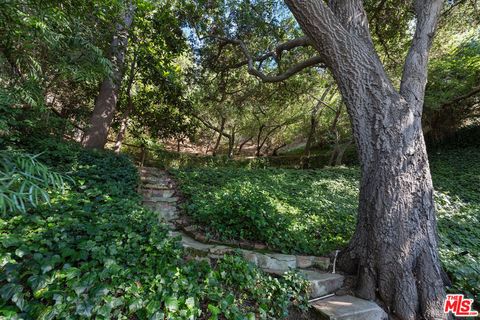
(166, 193)
(322, 283)
(160, 199)
(348, 308)
(157, 186)
(152, 171)
(154, 179)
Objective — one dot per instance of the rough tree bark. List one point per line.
(394, 248)
(106, 102)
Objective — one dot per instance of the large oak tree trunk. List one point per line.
(394, 248)
(106, 102)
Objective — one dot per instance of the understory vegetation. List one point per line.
(313, 211)
(95, 252)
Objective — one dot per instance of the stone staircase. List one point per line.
(160, 194)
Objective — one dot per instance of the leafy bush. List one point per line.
(313, 212)
(24, 181)
(95, 252)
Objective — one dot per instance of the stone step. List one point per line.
(157, 186)
(161, 206)
(155, 178)
(152, 170)
(305, 262)
(158, 192)
(322, 283)
(273, 262)
(160, 199)
(168, 216)
(348, 308)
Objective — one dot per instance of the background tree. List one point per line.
(106, 101)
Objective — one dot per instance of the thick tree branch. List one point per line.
(210, 126)
(250, 60)
(277, 52)
(414, 78)
(467, 95)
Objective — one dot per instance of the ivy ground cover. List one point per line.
(313, 211)
(96, 253)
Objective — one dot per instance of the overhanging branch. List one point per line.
(276, 54)
(467, 95)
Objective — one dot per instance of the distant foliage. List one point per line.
(453, 97)
(24, 181)
(454, 73)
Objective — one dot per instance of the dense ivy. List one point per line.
(456, 177)
(314, 211)
(95, 252)
(290, 210)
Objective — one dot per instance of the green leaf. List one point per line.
(190, 303)
(214, 310)
(8, 290)
(84, 308)
(171, 303)
(37, 282)
(135, 305)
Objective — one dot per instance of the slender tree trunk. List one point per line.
(314, 122)
(240, 147)
(106, 102)
(220, 134)
(259, 140)
(394, 249)
(337, 153)
(124, 121)
(121, 132)
(179, 142)
(311, 134)
(231, 142)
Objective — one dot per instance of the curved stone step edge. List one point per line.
(348, 308)
(321, 283)
(264, 258)
(287, 261)
(269, 261)
(300, 261)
